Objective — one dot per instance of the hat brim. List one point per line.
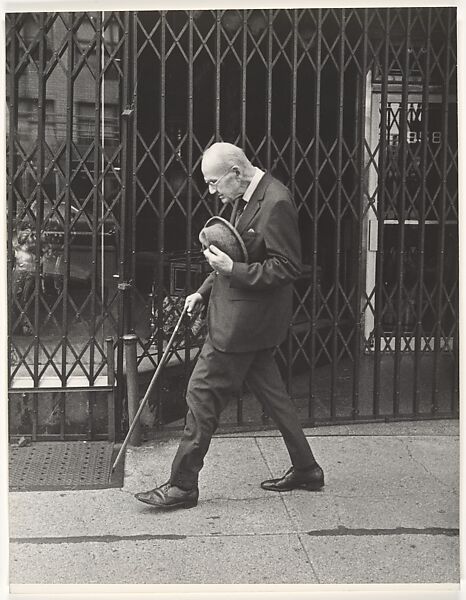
(233, 231)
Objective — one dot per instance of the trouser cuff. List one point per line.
(184, 484)
(307, 467)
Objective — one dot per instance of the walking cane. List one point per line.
(149, 389)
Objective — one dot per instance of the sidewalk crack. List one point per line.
(308, 557)
(290, 516)
(263, 456)
(339, 531)
(405, 445)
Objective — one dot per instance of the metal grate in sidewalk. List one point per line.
(63, 466)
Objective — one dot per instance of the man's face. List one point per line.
(221, 179)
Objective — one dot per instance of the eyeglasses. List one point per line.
(214, 184)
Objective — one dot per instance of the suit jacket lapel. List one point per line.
(253, 206)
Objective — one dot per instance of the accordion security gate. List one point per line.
(66, 220)
(354, 109)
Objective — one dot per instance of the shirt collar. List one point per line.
(253, 184)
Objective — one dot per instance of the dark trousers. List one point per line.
(217, 378)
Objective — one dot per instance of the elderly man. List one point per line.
(249, 311)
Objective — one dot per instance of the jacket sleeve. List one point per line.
(206, 287)
(283, 262)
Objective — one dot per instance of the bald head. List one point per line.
(226, 170)
(225, 155)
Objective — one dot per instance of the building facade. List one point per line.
(108, 115)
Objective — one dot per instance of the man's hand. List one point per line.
(218, 260)
(194, 302)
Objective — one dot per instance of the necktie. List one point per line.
(238, 209)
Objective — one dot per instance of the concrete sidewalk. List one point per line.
(389, 513)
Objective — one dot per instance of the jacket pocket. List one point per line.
(255, 246)
(237, 294)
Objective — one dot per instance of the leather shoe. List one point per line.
(312, 480)
(169, 496)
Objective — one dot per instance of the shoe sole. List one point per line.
(310, 487)
(169, 506)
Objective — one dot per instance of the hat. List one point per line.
(220, 233)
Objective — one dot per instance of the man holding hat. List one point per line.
(249, 307)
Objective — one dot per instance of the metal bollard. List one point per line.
(110, 394)
(132, 386)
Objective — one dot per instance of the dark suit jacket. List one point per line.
(251, 309)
